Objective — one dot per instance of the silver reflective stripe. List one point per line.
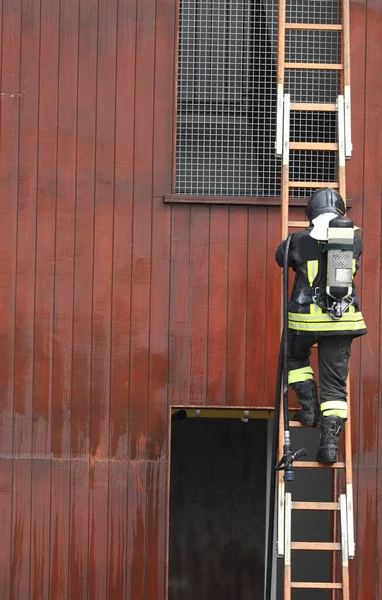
(344, 531)
(279, 119)
(350, 515)
(281, 518)
(348, 142)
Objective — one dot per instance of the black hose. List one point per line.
(285, 336)
(281, 382)
(272, 486)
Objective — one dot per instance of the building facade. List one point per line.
(123, 295)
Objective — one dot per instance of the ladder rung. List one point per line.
(315, 545)
(300, 224)
(316, 585)
(307, 464)
(315, 506)
(313, 184)
(313, 146)
(320, 26)
(313, 106)
(322, 66)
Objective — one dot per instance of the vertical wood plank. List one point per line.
(179, 303)
(198, 310)
(117, 529)
(103, 228)
(156, 529)
(136, 531)
(102, 290)
(257, 276)
(371, 289)
(79, 529)
(6, 468)
(9, 160)
(159, 309)
(41, 485)
(354, 185)
(217, 306)
(65, 219)
(123, 230)
(237, 305)
(273, 306)
(21, 528)
(98, 527)
(45, 243)
(84, 228)
(121, 299)
(59, 530)
(165, 82)
(26, 228)
(141, 295)
(142, 228)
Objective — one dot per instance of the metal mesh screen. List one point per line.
(226, 102)
(227, 98)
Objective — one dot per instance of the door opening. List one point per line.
(218, 494)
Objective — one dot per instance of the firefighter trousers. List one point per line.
(333, 361)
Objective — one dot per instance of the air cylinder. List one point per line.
(340, 249)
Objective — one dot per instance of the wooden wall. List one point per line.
(114, 305)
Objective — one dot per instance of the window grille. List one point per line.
(226, 100)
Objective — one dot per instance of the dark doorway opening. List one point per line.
(218, 494)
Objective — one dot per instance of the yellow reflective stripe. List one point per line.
(334, 326)
(298, 375)
(315, 309)
(333, 404)
(353, 266)
(336, 412)
(351, 310)
(306, 317)
(336, 408)
(312, 267)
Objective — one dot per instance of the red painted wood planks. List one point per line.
(26, 228)
(103, 229)
(179, 306)
(9, 164)
(84, 228)
(198, 308)
(237, 305)
(65, 236)
(370, 415)
(256, 290)
(6, 493)
(60, 516)
(217, 306)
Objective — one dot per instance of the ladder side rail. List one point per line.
(284, 234)
(288, 547)
(349, 479)
(346, 75)
(280, 76)
(344, 548)
(341, 147)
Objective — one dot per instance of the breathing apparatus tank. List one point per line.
(340, 248)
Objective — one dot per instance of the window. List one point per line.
(226, 95)
(227, 98)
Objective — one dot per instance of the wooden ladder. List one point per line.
(342, 506)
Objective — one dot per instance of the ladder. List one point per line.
(314, 128)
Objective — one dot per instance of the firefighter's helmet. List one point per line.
(325, 200)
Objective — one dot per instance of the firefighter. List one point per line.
(323, 312)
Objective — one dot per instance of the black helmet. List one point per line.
(325, 200)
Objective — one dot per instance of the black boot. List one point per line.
(330, 430)
(307, 396)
